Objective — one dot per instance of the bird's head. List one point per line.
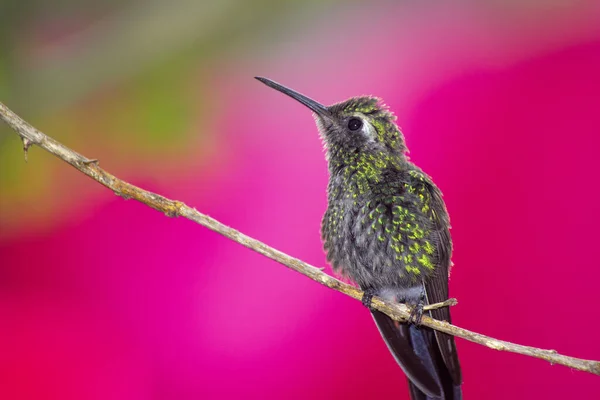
(360, 126)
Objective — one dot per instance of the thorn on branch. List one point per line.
(89, 161)
(26, 144)
(122, 195)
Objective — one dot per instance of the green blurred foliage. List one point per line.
(86, 45)
(123, 81)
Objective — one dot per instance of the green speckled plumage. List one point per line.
(381, 227)
(391, 221)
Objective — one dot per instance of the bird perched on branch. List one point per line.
(386, 227)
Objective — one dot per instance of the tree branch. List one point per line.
(400, 312)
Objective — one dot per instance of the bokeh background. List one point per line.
(102, 298)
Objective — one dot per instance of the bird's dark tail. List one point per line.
(417, 352)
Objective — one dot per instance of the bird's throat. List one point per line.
(355, 174)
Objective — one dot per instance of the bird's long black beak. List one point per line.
(316, 107)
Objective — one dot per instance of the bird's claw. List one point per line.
(367, 298)
(416, 315)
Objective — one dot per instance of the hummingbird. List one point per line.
(386, 228)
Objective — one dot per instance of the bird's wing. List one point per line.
(436, 290)
(436, 287)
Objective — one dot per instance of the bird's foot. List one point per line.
(367, 298)
(416, 314)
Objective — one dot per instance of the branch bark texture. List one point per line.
(173, 208)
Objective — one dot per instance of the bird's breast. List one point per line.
(380, 242)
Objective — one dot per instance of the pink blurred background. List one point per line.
(105, 298)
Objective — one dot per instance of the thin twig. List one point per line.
(447, 303)
(173, 208)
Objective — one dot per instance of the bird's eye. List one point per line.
(355, 124)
